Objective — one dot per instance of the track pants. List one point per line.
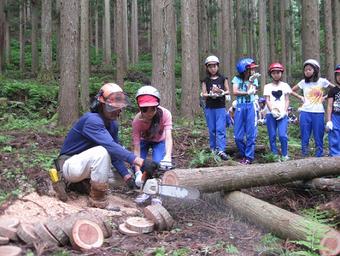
(277, 126)
(245, 126)
(334, 137)
(312, 122)
(216, 121)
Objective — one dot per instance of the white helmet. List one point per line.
(148, 90)
(211, 59)
(143, 96)
(312, 62)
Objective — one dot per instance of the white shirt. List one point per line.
(276, 93)
(313, 94)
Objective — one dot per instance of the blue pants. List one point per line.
(312, 122)
(216, 121)
(245, 125)
(280, 126)
(334, 137)
(158, 150)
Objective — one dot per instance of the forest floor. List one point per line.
(202, 227)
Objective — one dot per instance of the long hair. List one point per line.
(155, 126)
(209, 74)
(314, 77)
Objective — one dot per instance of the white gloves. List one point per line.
(251, 90)
(253, 77)
(138, 179)
(329, 126)
(227, 97)
(275, 113)
(281, 115)
(165, 165)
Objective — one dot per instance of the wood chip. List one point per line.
(169, 221)
(45, 235)
(9, 232)
(4, 240)
(151, 213)
(86, 235)
(26, 233)
(124, 230)
(9, 250)
(140, 224)
(9, 222)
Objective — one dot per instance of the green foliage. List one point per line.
(203, 158)
(160, 251)
(231, 249)
(270, 158)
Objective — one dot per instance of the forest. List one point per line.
(56, 55)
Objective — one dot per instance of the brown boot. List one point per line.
(98, 195)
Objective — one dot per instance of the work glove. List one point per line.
(251, 90)
(138, 179)
(165, 165)
(253, 77)
(227, 97)
(150, 167)
(281, 115)
(329, 126)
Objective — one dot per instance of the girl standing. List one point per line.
(244, 88)
(333, 116)
(312, 110)
(215, 87)
(277, 100)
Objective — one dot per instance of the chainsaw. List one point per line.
(154, 187)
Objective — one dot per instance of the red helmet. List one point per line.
(275, 66)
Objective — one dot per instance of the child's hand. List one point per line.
(251, 90)
(302, 99)
(329, 126)
(253, 77)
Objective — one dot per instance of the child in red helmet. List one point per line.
(333, 116)
(277, 100)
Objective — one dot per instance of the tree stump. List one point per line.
(139, 224)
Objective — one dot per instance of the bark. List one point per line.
(319, 184)
(310, 30)
(2, 35)
(233, 38)
(164, 51)
(238, 177)
(107, 48)
(272, 56)
(34, 37)
(289, 41)
(84, 55)
(239, 34)
(46, 72)
(57, 17)
(226, 38)
(337, 30)
(190, 74)
(96, 31)
(134, 32)
(329, 49)
(7, 39)
(219, 36)
(283, 37)
(121, 40)
(203, 32)
(262, 42)
(280, 222)
(69, 62)
(22, 37)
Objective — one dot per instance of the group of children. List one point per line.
(273, 110)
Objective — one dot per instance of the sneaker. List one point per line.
(142, 198)
(223, 155)
(243, 160)
(284, 158)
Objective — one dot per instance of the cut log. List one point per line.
(151, 213)
(9, 232)
(232, 149)
(45, 235)
(281, 222)
(140, 224)
(9, 222)
(9, 250)
(4, 240)
(124, 230)
(331, 242)
(230, 178)
(333, 207)
(319, 184)
(26, 233)
(86, 235)
(169, 221)
(57, 232)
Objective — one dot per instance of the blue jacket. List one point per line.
(90, 131)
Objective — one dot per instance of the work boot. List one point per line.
(82, 187)
(98, 196)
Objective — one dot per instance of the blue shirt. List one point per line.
(90, 131)
(242, 86)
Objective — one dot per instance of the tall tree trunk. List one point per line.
(226, 38)
(2, 35)
(283, 36)
(262, 42)
(310, 30)
(233, 37)
(329, 49)
(289, 42)
(7, 38)
(84, 55)
(203, 32)
(22, 37)
(272, 56)
(239, 32)
(164, 51)
(107, 49)
(337, 30)
(219, 42)
(46, 72)
(134, 31)
(121, 39)
(103, 38)
(69, 62)
(126, 32)
(34, 36)
(96, 29)
(57, 10)
(190, 76)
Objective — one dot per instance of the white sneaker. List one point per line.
(142, 198)
(284, 158)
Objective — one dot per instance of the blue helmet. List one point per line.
(262, 100)
(243, 64)
(337, 68)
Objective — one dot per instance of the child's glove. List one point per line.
(329, 126)
(251, 90)
(276, 113)
(281, 115)
(253, 77)
(138, 179)
(227, 97)
(165, 165)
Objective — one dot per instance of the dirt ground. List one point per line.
(204, 227)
